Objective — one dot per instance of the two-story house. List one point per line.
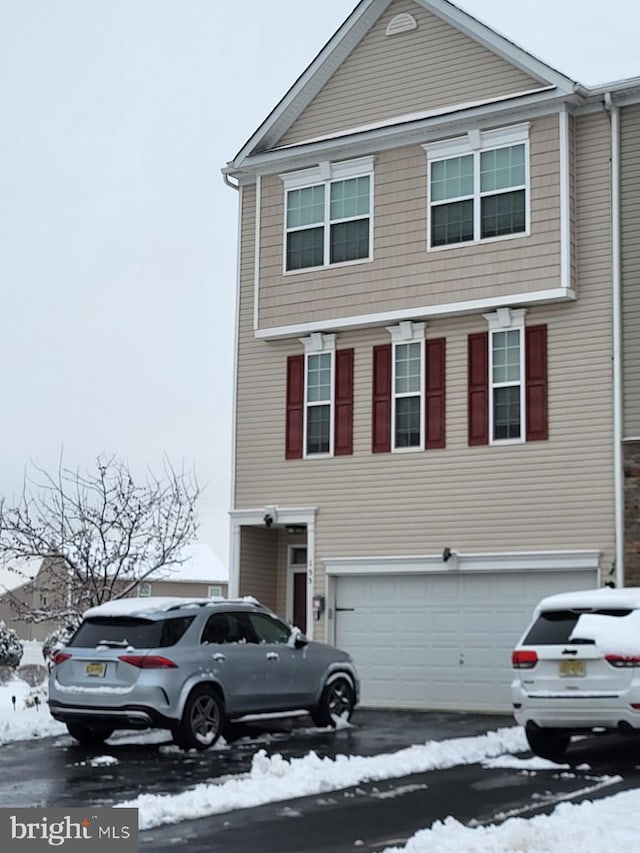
(428, 432)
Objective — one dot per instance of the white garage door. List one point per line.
(440, 641)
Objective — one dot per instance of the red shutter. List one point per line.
(434, 397)
(381, 428)
(295, 403)
(536, 388)
(478, 401)
(343, 439)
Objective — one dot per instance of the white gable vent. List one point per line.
(401, 24)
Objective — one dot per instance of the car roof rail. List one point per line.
(216, 599)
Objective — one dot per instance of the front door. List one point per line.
(300, 600)
(298, 586)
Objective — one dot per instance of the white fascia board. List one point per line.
(615, 88)
(449, 309)
(516, 561)
(359, 142)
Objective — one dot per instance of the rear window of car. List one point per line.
(130, 631)
(554, 627)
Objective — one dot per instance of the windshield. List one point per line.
(126, 631)
(556, 627)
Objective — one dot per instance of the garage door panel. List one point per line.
(442, 642)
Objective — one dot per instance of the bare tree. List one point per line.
(99, 534)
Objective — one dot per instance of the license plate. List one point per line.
(96, 670)
(573, 668)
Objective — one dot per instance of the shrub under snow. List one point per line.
(59, 637)
(10, 647)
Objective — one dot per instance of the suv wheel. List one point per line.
(202, 720)
(548, 743)
(88, 735)
(337, 702)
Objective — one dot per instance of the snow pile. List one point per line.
(591, 827)
(22, 720)
(274, 778)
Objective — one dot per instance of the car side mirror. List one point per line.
(300, 641)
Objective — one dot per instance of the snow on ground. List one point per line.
(274, 778)
(599, 826)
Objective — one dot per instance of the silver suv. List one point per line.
(577, 668)
(190, 666)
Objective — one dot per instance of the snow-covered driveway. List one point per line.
(467, 786)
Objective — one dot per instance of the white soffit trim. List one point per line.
(346, 38)
(516, 561)
(505, 318)
(327, 171)
(449, 309)
(284, 515)
(317, 342)
(496, 138)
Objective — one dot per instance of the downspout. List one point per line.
(616, 306)
(234, 532)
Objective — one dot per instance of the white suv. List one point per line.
(577, 668)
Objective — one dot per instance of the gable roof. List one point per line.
(348, 36)
(18, 573)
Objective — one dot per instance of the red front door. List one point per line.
(300, 600)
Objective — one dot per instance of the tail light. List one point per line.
(60, 657)
(524, 659)
(623, 661)
(148, 661)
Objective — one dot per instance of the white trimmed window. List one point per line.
(318, 394)
(214, 592)
(506, 375)
(328, 214)
(407, 384)
(478, 186)
(144, 590)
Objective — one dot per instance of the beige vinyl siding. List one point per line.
(388, 76)
(630, 217)
(258, 565)
(493, 268)
(555, 494)
(185, 590)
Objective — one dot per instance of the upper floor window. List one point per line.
(506, 384)
(478, 186)
(319, 399)
(328, 217)
(408, 391)
(319, 402)
(508, 380)
(408, 370)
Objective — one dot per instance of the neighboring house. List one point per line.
(202, 575)
(36, 584)
(30, 585)
(427, 435)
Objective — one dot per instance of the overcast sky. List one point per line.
(117, 234)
